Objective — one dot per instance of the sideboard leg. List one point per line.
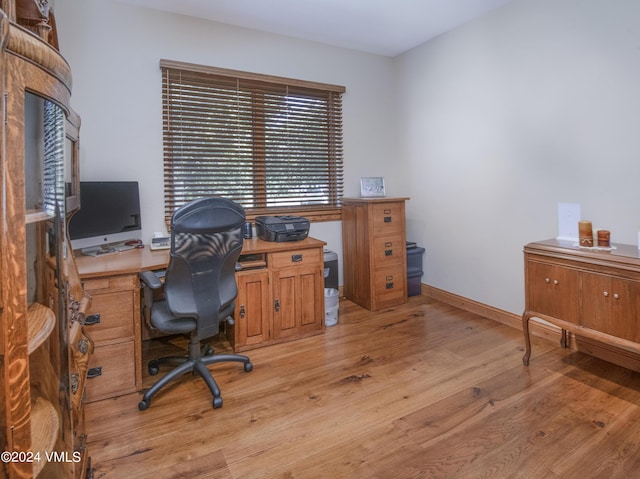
(527, 339)
(564, 341)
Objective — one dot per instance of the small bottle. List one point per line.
(248, 232)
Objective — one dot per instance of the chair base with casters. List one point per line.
(195, 363)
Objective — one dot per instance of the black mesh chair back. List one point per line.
(206, 240)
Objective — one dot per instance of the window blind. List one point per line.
(272, 144)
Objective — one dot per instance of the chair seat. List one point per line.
(162, 319)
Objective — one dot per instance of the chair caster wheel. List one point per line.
(142, 405)
(248, 367)
(217, 402)
(154, 368)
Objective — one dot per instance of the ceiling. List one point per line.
(383, 27)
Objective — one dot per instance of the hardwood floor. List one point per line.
(424, 390)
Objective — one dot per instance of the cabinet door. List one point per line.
(252, 313)
(553, 291)
(298, 301)
(611, 305)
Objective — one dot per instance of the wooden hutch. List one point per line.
(43, 350)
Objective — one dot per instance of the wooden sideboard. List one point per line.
(280, 298)
(593, 293)
(374, 251)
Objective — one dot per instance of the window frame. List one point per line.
(331, 211)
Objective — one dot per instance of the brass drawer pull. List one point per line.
(388, 252)
(387, 219)
(389, 282)
(296, 258)
(94, 372)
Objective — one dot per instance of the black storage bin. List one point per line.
(414, 258)
(414, 269)
(413, 282)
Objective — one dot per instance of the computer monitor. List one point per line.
(109, 213)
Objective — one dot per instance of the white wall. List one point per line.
(497, 121)
(114, 51)
(536, 103)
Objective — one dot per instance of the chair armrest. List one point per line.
(150, 279)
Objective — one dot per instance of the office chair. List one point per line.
(199, 289)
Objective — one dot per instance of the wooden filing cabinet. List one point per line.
(592, 293)
(282, 299)
(113, 324)
(374, 251)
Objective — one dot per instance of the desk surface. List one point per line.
(143, 259)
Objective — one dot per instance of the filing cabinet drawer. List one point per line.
(301, 257)
(116, 373)
(389, 286)
(114, 311)
(388, 218)
(389, 251)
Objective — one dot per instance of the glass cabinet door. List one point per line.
(44, 137)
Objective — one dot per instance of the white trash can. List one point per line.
(330, 306)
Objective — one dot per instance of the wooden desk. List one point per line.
(280, 298)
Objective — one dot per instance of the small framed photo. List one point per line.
(372, 186)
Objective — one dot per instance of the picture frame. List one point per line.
(372, 187)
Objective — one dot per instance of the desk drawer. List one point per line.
(122, 282)
(305, 257)
(111, 316)
(116, 373)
